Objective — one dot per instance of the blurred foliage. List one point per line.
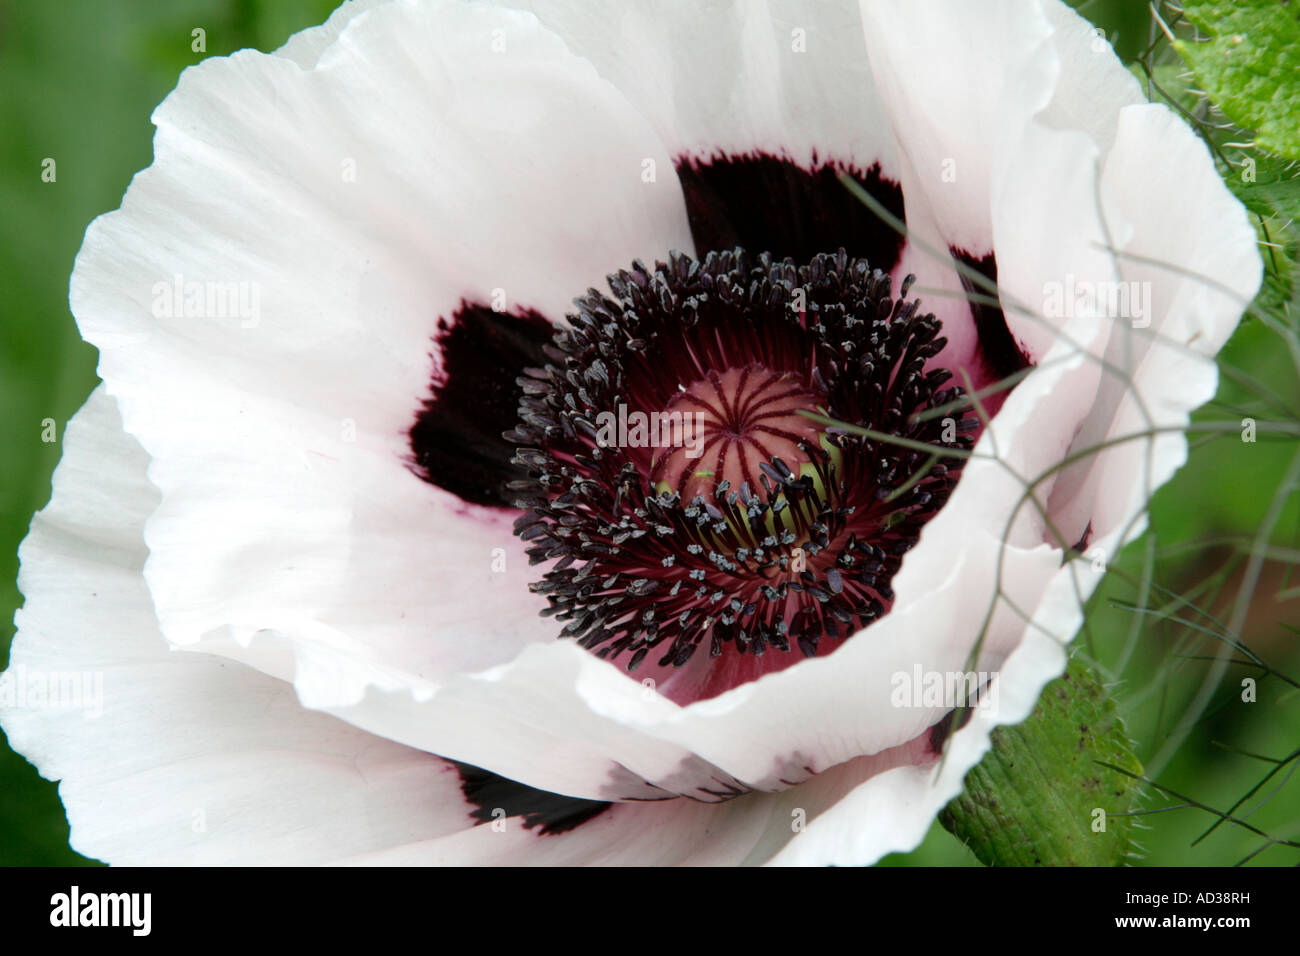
(78, 81)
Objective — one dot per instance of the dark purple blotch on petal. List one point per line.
(1082, 544)
(944, 729)
(766, 203)
(549, 813)
(1002, 354)
(456, 440)
(953, 721)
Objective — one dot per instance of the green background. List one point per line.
(78, 81)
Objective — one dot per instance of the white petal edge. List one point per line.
(306, 46)
(1190, 251)
(176, 758)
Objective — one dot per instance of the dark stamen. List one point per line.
(779, 533)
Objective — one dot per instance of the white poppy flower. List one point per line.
(283, 529)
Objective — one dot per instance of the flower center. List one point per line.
(678, 484)
(732, 422)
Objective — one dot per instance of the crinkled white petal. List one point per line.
(959, 82)
(1093, 85)
(783, 77)
(1048, 186)
(167, 757)
(436, 152)
(954, 126)
(1187, 264)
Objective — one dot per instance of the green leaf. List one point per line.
(1250, 66)
(1267, 185)
(1041, 796)
(1270, 188)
